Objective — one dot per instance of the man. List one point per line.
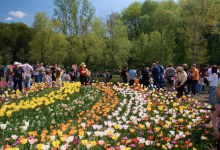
(161, 74)
(29, 70)
(195, 79)
(132, 75)
(156, 75)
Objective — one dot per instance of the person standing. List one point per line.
(156, 75)
(107, 77)
(124, 75)
(41, 70)
(36, 73)
(17, 76)
(53, 72)
(82, 72)
(185, 66)
(8, 73)
(145, 75)
(29, 70)
(161, 74)
(170, 75)
(213, 80)
(132, 75)
(195, 78)
(181, 81)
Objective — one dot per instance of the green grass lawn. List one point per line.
(114, 80)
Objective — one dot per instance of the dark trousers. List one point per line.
(83, 80)
(157, 83)
(7, 79)
(131, 82)
(189, 83)
(180, 89)
(162, 81)
(19, 83)
(125, 80)
(194, 82)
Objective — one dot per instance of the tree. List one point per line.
(200, 17)
(75, 16)
(47, 45)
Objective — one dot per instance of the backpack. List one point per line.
(9, 70)
(110, 76)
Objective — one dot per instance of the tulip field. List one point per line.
(101, 117)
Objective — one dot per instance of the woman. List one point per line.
(53, 71)
(41, 70)
(17, 76)
(169, 76)
(213, 80)
(82, 72)
(181, 81)
(124, 75)
(185, 66)
(145, 75)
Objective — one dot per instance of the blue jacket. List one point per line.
(156, 73)
(161, 70)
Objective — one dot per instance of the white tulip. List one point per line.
(46, 147)
(3, 126)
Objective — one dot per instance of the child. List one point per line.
(199, 85)
(151, 81)
(48, 78)
(58, 76)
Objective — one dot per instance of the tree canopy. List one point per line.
(183, 32)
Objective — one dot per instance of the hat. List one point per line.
(20, 64)
(83, 65)
(16, 63)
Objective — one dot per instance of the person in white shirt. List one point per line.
(213, 80)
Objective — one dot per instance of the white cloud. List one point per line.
(8, 19)
(19, 14)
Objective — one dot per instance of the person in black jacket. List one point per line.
(145, 75)
(124, 75)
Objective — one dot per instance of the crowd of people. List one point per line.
(180, 78)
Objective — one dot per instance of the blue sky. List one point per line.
(24, 10)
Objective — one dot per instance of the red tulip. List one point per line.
(6, 146)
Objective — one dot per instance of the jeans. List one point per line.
(157, 83)
(199, 88)
(27, 82)
(19, 83)
(162, 82)
(12, 82)
(211, 90)
(40, 78)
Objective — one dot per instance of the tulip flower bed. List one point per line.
(96, 117)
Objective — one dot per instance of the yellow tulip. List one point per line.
(81, 133)
(84, 142)
(40, 146)
(60, 133)
(56, 143)
(116, 126)
(157, 129)
(115, 137)
(62, 139)
(93, 143)
(23, 141)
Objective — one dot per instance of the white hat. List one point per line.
(16, 63)
(20, 64)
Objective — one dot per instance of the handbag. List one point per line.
(16, 79)
(214, 98)
(36, 73)
(88, 73)
(170, 81)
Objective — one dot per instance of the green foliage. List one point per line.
(183, 32)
